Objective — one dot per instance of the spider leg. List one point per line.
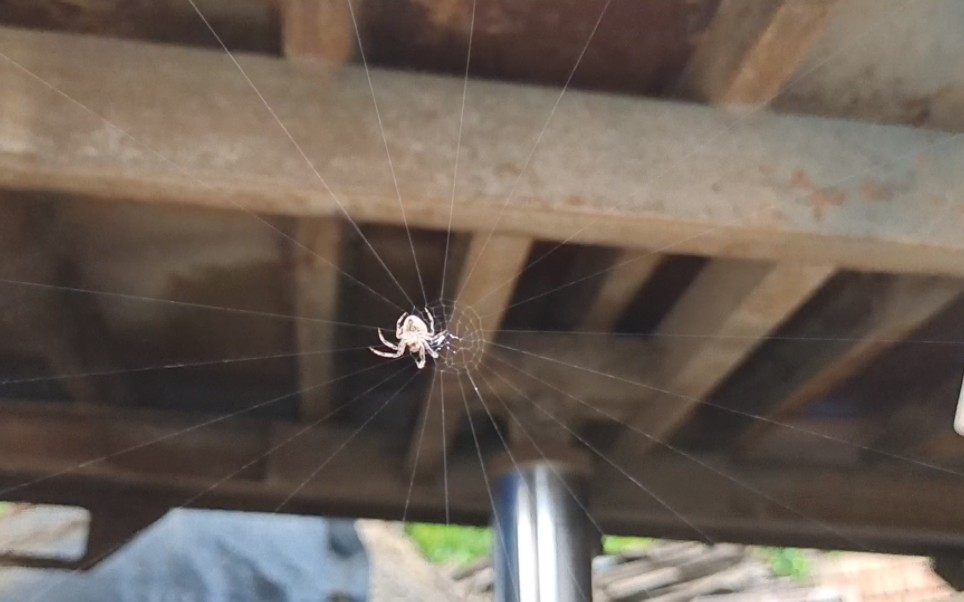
(431, 322)
(420, 358)
(398, 325)
(396, 354)
(389, 344)
(430, 351)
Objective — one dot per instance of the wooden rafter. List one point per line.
(864, 325)
(317, 31)
(752, 48)
(721, 319)
(888, 512)
(747, 54)
(787, 187)
(491, 267)
(316, 298)
(749, 51)
(631, 271)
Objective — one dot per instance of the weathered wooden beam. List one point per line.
(489, 272)
(815, 190)
(631, 271)
(729, 309)
(491, 269)
(865, 324)
(318, 31)
(253, 465)
(921, 426)
(748, 52)
(316, 296)
(751, 48)
(69, 334)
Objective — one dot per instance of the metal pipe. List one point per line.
(542, 550)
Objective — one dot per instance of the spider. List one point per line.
(415, 337)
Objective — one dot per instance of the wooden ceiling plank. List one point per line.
(630, 273)
(751, 49)
(317, 285)
(729, 310)
(484, 288)
(895, 313)
(318, 31)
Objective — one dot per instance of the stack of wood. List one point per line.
(677, 571)
(674, 572)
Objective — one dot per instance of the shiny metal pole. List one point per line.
(542, 550)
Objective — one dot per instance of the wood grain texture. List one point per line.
(777, 187)
(729, 310)
(317, 283)
(318, 31)
(893, 511)
(751, 49)
(486, 283)
(629, 274)
(863, 327)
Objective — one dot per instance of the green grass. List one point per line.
(4, 506)
(788, 562)
(453, 544)
(614, 544)
(450, 544)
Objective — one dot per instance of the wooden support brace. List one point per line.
(895, 312)
(723, 316)
(631, 272)
(319, 31)
(751, 49)
(316, 297)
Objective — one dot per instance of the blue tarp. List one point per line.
(214, 556)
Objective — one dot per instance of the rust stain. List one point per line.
(801, 181)
(576, 201)
(446, 14)
(510, 169)
(775, 215)
(823, 200)
(875, 191)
